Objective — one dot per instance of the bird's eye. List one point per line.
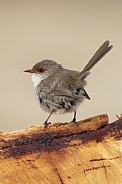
(41, 70)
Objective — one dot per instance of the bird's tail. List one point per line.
(102, 51)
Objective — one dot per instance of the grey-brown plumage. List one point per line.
(62, 90)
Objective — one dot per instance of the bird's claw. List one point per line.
(46, 124)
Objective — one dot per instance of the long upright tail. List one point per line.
(102, 51)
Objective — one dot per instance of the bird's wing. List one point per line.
(52, 89)
(75, 94)
(67, 84)
(64, 92)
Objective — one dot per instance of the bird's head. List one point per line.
(42, 70)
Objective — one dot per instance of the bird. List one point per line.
(60, 90)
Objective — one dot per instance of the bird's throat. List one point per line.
(37, 78)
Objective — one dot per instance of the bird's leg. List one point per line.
(46, 123)
(74, 118)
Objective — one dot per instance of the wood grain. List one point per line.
(87, 152)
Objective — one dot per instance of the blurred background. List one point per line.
(68, 32)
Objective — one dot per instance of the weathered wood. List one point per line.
(88, 152)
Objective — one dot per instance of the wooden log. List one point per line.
(87, 152)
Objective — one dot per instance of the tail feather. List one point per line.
(101, 52)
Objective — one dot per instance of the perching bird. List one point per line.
(62, 90)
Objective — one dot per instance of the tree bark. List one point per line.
(87, 152)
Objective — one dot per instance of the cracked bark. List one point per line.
(88, 152)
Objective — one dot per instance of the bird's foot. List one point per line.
(46, 124)
(74, 120)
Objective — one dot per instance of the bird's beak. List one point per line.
(29, 71)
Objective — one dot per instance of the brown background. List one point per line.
(68, 32)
